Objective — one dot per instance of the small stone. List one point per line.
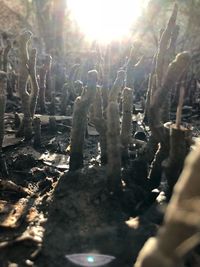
(29, 263)
(13, 265)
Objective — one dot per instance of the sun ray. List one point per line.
(105, 20)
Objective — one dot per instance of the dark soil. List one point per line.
(67, 212)
(56, 213)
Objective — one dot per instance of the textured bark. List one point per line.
(37, 132)
(1, 57)
(155, 173)
(68, 90)
(100, 125)
(126, 121)
(180, 141)
(49, 85)
(5, 55)
(3, 83)
(117, 86)
(34, 83)
(26, 127)
(27, 78)
(65, 99)
(170, 55)
(52, 107)
(163, 46)
(162, 58)
(148, 97)
(11, 84)
(43, 81)
(79, 122)
(176, 70)
(132, 60)
(3, 79)
(52, 124)
(78, 87)
(113, 148)
(105, 94)
(174, 37)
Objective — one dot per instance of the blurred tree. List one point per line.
(156, 14)
(50, 15)
(55, 26)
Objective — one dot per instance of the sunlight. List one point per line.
(105, 20)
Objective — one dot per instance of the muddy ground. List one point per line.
(47, 212)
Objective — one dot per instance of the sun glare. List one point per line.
(105, 20)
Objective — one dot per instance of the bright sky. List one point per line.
(105, 20)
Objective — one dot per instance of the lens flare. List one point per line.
(90, 260)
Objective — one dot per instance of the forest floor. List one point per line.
(47, 212)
